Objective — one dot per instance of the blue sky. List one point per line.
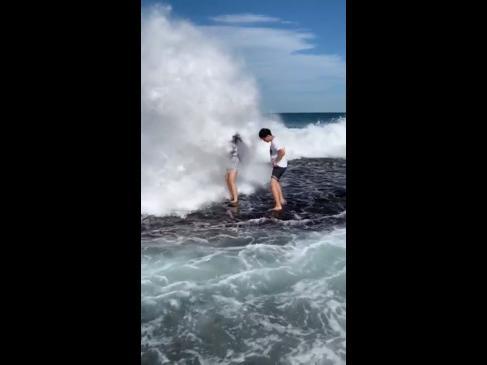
(295, 49)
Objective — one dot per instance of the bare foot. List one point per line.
(234, 202)
(277, 208)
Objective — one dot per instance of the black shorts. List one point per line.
(277, 172)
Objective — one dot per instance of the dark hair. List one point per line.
(236, 138)
(264, 132)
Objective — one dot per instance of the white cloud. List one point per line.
(245, 18)
(289, 79)
(261, 38)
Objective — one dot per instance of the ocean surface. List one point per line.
(244, 285)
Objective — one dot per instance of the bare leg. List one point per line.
(229, 185)
(233, 185)
(281, 197)
(276, 194)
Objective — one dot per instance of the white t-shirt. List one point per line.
(233, 150)
(276, 146)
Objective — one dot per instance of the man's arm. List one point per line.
(280, 154)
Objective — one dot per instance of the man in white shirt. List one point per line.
(279, 163)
